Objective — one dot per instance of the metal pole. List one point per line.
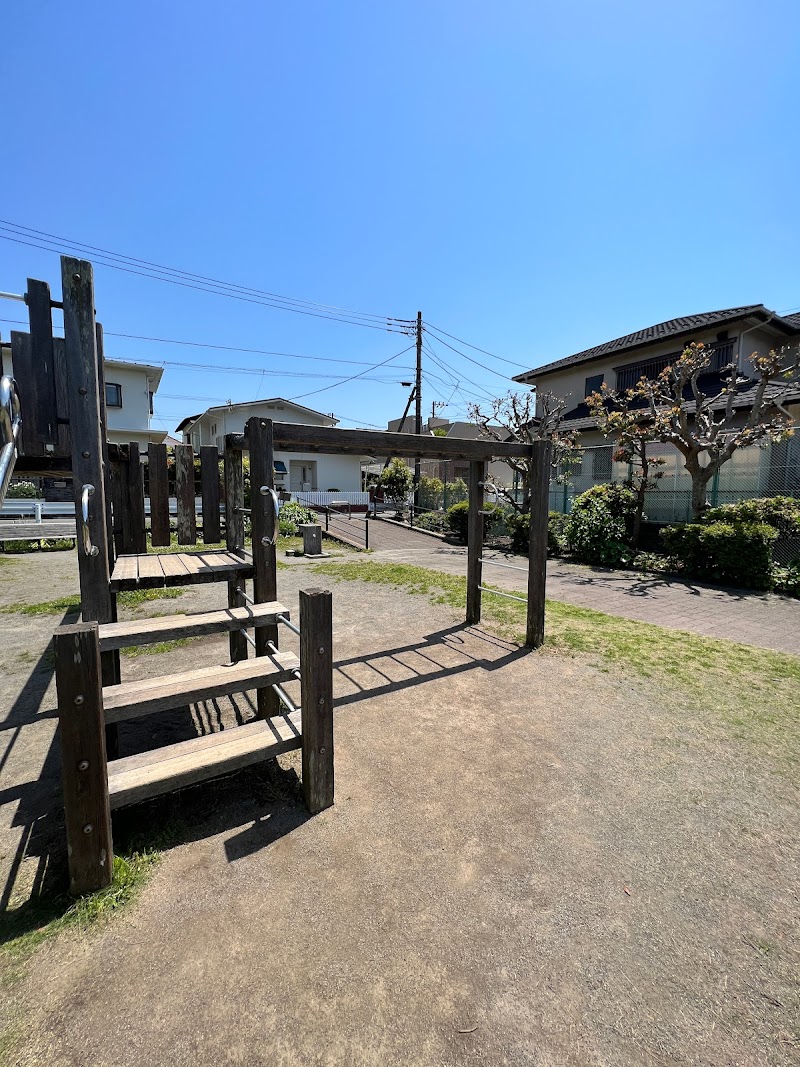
(418, 413)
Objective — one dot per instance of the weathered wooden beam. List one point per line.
(234, 536)
(316, 669)
(135, 499)
(83, 757)
(262, 517)
(540, 459)
(184, 491)
(477, 475)
(288, 437)
(39, 381)
(158, 478)
(209, 486)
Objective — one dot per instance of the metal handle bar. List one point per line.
(88, 547)
(266, 489)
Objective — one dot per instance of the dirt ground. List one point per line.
(530, 861)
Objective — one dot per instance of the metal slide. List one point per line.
(10, 423)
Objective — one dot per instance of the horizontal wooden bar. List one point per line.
(288, 437)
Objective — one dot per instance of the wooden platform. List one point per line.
(145, 696)
(163, 769)
(150, 571)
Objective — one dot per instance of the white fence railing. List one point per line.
(325, 499)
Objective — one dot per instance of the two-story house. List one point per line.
(295, 472)
(130, 388)
(733, 335)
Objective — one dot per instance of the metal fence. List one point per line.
(751, 472)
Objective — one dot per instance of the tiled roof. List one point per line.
(662, 331)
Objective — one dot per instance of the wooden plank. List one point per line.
(262, 518)
(184, 491)
(175, 572)
(537, 549)
(288, 437)
(64, 446)
(147, 696)
(234, 536)
(151, 573)
(83, 757)
(39, 379)
(477, 475)
(126, 570)
(209, 486)
(80, 346)
(117, 483)
(159, 495)
(200, 758)
(149, 631)
(135, 499)
(316, 659)
(27, 443)
(101, 386)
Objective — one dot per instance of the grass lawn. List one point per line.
(753, 693)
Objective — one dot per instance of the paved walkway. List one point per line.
(738, 615)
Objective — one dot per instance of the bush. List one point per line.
(458, 518)
(22, 491)
(786, 580)
(518, 526)
(454, 492)
(431, 520)
(292, 514)
(431, 493)
(732, 553)
(782, 512)
(600, 526)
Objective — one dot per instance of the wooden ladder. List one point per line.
(94, 785)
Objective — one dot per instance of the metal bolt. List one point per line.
(322, 751)
(83, 765)
(82, 391)
(78, 700)
(321, 650)
(321, 701)
(76, 277)
(88, 828)
(85, 454)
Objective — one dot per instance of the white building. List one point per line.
(130, 388)
(296, 471)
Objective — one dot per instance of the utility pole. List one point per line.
(418, 425)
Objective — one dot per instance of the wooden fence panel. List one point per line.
(134, 500)
(184, 491)
(209, 482)
(159, 495)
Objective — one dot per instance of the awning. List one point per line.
(279, 466)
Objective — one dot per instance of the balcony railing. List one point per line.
(721, 355)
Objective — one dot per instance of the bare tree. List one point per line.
(709, 426)
(513, 417)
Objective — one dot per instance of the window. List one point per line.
(113, 395)
(601, 463)
(213, 429)
(150, 396)
(593, 384)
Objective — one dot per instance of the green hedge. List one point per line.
(782, 512)
(458, 518)
(519, 527)
(600, 526)
(732, 553)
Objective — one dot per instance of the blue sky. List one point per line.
(535, 177)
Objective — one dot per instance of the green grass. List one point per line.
(23, 930)
(132, 599)
(753, 691)
(158, 647)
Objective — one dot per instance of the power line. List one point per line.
(353, 377)
(502, 359)
(158, 275)
(464, 355)
(457, 375)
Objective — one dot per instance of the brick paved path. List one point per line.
(751, 618)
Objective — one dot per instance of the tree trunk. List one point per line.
(700, 479)
(637, 518)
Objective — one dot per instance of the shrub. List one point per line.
(397, 481)
(22, 491)
(431, 493)
(786, 580)
(292, 514)
(431, 520)
(519, 527)
(599, 528)
(782, 512)
(732, 553)
(458, 518)
(454, 492)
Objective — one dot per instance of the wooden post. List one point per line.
(537, 548)
(40, 382)
(134, 511)
(316, 669)
(209, 485)
(264, 532)
(477, 474)
(184, 492)
(159, 495)
(234, 537)
(312, 538)
(83, 757)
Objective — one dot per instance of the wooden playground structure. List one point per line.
(61, 398)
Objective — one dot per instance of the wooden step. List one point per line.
(171, 627)
(130, 700)
(161, 770)
(153, 570)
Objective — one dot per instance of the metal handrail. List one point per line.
(508, 566)
(267, 489)
(10, 423)
(498, 592)
(91, 550)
